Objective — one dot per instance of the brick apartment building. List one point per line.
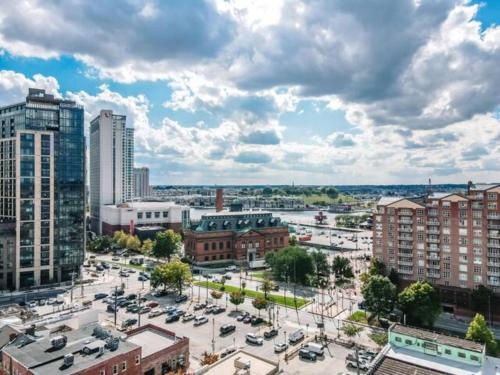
(451, 240)
(239, 236)
(92, 350)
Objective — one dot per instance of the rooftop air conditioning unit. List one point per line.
(240, 364)
(58, 342)
(68, 359)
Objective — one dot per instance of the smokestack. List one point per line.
(469, 187)
(219, 200)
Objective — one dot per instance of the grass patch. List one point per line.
(254, 294)
(380, 338)
(359, 317)
(325, 199)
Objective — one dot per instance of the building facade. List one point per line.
(141, 182)
(241, 237)
(451, 240)
(111, 163)
(129, 216)
(42, 189)
(94, 350)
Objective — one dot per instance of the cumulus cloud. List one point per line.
(261, 138)
(340, 140)
(253, 157)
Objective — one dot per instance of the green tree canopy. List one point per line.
(173, 275)
(266, 286)
(216, 294)
(379, 295)
(351, 330)
(147, 246)
(236, 298)
(478, 331)
(166, 244)
(259, 303)
(290, 264)
(420, 302)
(341, 268)
(133, 243)
(99, 244)
(321, 268)
(377, 267)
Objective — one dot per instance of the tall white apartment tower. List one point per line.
(141, 182)
(111, 166)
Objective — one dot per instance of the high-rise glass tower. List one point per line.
(141, 182)
(42, 191)
(111, 164)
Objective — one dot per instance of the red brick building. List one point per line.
(450, 240)
(92, 350)
(241, 236)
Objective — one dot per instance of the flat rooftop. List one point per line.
(438, 337)
(151, 341)
(258, 365)
(236, 213)
(145, 205)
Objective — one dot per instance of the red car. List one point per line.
(152, 304)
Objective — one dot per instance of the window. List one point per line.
(165, 214)
(398, 339)
(124, 366)
(221, 245)
(408, 342)
(137, 359)
(474, 358)
(461, 354)
(102, 372)
(157, 215)
(139, 215)
(447, 351)
(115, 369)
(214, 245)
(148, 215)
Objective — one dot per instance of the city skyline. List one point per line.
(315, 93)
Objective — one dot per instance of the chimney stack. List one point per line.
(219, 200)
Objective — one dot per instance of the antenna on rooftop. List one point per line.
(429, 188)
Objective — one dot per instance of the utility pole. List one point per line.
(116, 302)
(357, 359)
(213, 335)
(72, 285)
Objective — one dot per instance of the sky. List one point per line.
(274, 92)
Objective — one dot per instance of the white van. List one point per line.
(315, 348)
(200, 320)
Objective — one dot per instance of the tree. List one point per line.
(377, 267)
(267, 286)
(293, 241)
(379, 295)
(351, 330)
(147, 246)
(236, 298)
(216, 294)
(223, 282)
(342, 269)
(166, 244)
(478, 331)
(394, 276)
(121, 238)
(99, 244)
(481, 299)
(173, 275)
(259, 303)
(133, 243)
(321, 268)
(243, 285)
(420, 302)
(290, 264)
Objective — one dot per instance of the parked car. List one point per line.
(226, 276)
(154, 313)
(159, 293)
(124, 303)
(115, 259)
(145, 310)
(188, 317)
(32, 304)
(129, 322)
(99, 268)
(111, 308)
(142, 278)
(100, 296)
(271, 333)
(152, 304)
(227, 351)
(172, 318)
(247, 319)
(169, 309)
(118, 292)
(218, 310)
(123, 274)
(115, 267)
(351, 362)
(242, 316)
(256, 321)
(231, 268)
(252, 338)
(280, 347)
(181, 298)
(144, 274)
(227, 328)
(199, 320)
(315, 348)
(131, 296)
(306, 354)
(296, 336)
(199, 306)
(133, 309)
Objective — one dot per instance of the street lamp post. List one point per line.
(286, 345)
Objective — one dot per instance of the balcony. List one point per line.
(405, 271)
(405, 246)
(494, 244)
(494, 216)
(433, 266)
(433, 275)
(494, 272)
(493, 226)
(433, 222)
(406, 229)
(405, 263)
(433, 231)
(405, 221)
(405, 254)
(405, 238)
(477, 206)
(493, 254)
(493, 234)
(433, 257)
(433, 240)
(494, 282)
